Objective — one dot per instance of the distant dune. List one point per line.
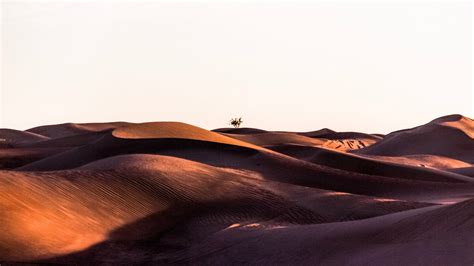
(72, 129)
(450, 136)
(172, 193)
(16, 138)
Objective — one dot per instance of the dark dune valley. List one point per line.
(171, 193)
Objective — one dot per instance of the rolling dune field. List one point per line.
(173, 193)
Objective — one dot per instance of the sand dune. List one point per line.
(174, 130)
(404, 238)
(15, 138)
(70, 141)
(318, 133)
(244, 130)
(268, 139)
(173, 193)
(115, 191)
(371, 166)
(455, 131)
(348, 135)
(467, 171)
(11, 158)
(259, 161)
(423, 160)
(71, 129)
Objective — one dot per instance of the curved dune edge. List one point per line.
(174, 130)
(12, 138)
(448, 136)
(373, 165)
(467, 171)
(267, 139)
(460, 122)
(343, 141)
(72, 129)
(423, 160)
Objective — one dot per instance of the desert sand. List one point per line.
(172, 193)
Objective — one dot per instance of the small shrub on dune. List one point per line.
(236, 122)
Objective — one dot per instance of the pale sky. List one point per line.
(347, 66)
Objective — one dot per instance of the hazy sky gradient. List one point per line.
(363, 67)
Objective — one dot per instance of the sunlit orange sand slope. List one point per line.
(173, 193)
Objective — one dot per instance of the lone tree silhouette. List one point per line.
(236, 122)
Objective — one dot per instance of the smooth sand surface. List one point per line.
(172, 193)
(449, 136)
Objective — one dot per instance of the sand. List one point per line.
(173, 193)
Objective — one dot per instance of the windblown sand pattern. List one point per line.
(173, 193)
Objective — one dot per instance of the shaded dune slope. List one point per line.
(13, 138)
(52, 213)
(450, 136)
(467, 171)
(344, 143)
(318, 133)
(426, 236)
(267, 139)
(423, 160)
(349, 135)
(71, 129)
(12, 158)
(143, 138)
(70, 141)
(358, 164)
